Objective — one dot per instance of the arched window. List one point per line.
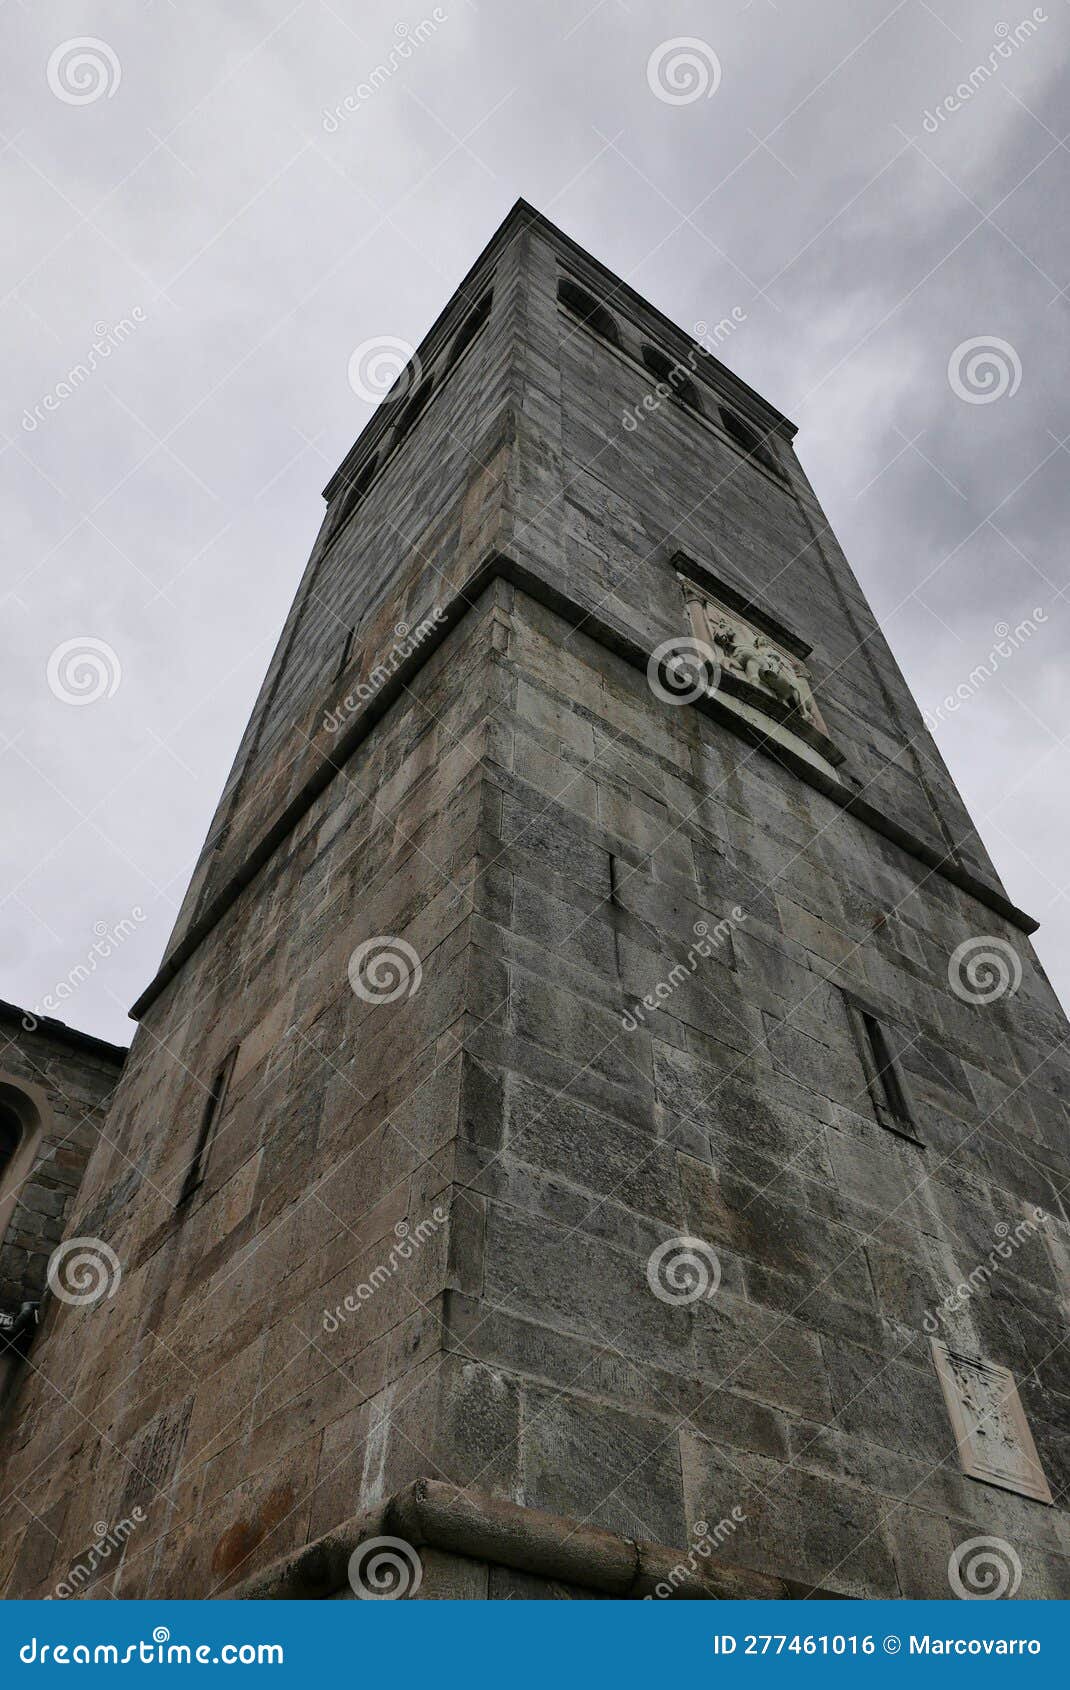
(23, 1112)
(412, 409)
(585, 306)
(673, 375)
(471, 326)
(749, 440)
(10, 1136)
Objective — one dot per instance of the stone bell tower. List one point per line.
(599, 1124)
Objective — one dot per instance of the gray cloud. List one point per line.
(166, 503)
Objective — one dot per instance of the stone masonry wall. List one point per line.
(431, 513)
(73, 1079)
(550, 839)
(601, 509)
(738, 1113)
(210, 1392)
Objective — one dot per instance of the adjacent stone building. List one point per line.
(55, 1088)
(599, 1122)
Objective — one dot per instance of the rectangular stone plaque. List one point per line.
(993, 1436)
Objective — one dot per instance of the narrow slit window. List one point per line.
(347, 647)
(213, 1108)
(885, 1080)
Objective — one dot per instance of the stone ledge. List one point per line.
(432, 1514)
(596, 628)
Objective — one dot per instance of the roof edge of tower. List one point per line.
(524, 210)
(522, 214)
(519, 213)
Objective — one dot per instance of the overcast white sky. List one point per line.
(167, 504)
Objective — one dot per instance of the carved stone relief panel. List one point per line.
(991, 1430)
(765, 669)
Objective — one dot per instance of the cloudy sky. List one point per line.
(177, 193)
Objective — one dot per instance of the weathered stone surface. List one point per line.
(58, 1084)
(488, 1162)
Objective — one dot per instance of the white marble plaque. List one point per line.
(993, 1436)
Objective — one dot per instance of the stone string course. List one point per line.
(546, 835)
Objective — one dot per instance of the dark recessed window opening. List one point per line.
(673, 375)
(413, 408)
(213, 1108)
(585, 306)
(748, 440)
(10, 1136)
(885, 1080)
(347, 647)
(468, 330)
